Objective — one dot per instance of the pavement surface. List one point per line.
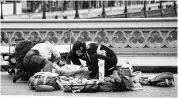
(21, 89)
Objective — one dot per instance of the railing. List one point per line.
(133, 35)
(88, 13)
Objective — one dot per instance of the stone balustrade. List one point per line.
(153, 35)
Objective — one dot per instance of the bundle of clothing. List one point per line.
(118, 81)
(164, 79)
(15, 59)
(122, 79)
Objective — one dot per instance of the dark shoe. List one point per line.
(25, 77)
(19, 74)
(92, 76)
(11, 71)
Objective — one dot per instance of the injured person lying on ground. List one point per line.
(69, 70)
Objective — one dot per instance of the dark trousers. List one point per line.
(33, 62)
(109, 63)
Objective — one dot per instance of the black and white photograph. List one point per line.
(88, 48)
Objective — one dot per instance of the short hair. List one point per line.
(92, 48)
(77, 45)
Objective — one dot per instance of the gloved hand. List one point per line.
(100, 56)
(101, 52)
(86, 70)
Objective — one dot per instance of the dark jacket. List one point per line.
(110, 54)
(89, 50)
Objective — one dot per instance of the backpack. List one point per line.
(123, 80)
(163, 79)
(79, 84)
(126, 75)
(80, 88)
(118, 81)
(21, 45)
(47, 81)
(22, 48)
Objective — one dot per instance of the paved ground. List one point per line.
(21, 89)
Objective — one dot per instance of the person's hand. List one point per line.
(101, 52)
(57, 59)
(55, 66)
(86, 71)
(61, 63)
(101, 56)
(81, 66)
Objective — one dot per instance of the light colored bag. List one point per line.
(46, 81)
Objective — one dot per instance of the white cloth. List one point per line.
(127, 66)
(71, 67)
(67, 67)
(102, 52)
(46, 49)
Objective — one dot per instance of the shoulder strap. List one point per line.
(36, 81)
(98, 49)
(44, 80)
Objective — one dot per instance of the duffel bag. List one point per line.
(123, 77)
(111, 83)
(81, 88)
(163, 79)
(40, 79)
(105, 86)
(79, 85)
(110, 86)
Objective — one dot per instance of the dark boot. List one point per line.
(25, 77)
(19, 74)
(11, 71)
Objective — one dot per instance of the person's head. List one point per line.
(78, 47)
(92, 48)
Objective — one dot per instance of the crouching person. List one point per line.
(88, 52)
(37, 58)
(20, 51)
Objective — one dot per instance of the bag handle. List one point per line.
(44, 80)
(46, 74)
(78, 90)
(36, 81)
(98, 49)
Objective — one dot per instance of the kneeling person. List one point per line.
(91, 52)
(38, 58)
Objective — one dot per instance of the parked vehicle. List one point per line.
(10, 58)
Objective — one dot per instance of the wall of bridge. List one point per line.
(133, 35)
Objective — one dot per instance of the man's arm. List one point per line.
(67, 73)
(72, 56)
(55, 53)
